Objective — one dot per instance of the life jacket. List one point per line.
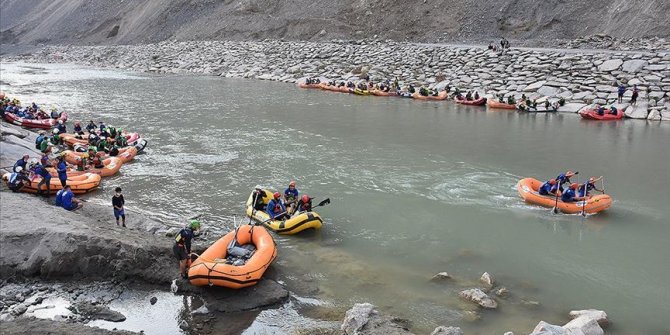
(38, 141)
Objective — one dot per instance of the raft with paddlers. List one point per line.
(500, 105)
(111, 166)
(528, 190)
(126, 154)
(304, 85)
(80, 184)
(478, 102)
(381, 93)
(238, 259)
(294, 225)
(440, 96)
(359, 91)
(34, 123)
(592, 114)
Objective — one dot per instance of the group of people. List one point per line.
(108, 139)
(281, 207)
(32, 112)
(621, 90)
(574, 192)
(469, 96)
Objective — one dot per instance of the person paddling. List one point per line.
(564, 178)
(304, 204)
(548, 188)
(569, 194)
(182, 245)
(291, 196)
(258, 197)
(276, 209)
(590, 185)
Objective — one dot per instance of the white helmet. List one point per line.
(33, 161)
(55, 131)
(258, 187)
(60, 121)
(18, 169)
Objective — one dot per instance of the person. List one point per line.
(69, 202)
(633, 98)
(600, 110)
(476, 95)
(468, 96)
(564, 178)
(510, 100)
(97, 161)
(182, 245)
(584, 189)
(121, 140)
(102, 126)
(258, 196)
(117, 203)
(59, 198)
(61, 127)
(613, 110)
(54, 113)
(102, 144)
(21, 163)
(276, 209)
(548, 188)
(61, 167)
(41, 171)
(77, 128)
(17, 180)
(304, 204)
(621, 91)
(55, 138)
(91, 127)
(291, 195)
(569, 194)
(45, 144)
(40, 137)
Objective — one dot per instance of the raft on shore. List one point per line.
(79, 184)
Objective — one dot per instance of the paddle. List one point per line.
(322, 203)
(586, 191)
(555, 209)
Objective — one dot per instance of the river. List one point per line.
(416, 187)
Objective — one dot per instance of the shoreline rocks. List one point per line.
(579, 77)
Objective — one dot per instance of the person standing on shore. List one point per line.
(41, 171)
(117, 203)
(621, 91)
(633, 98)
(61, 167)
(182, 246)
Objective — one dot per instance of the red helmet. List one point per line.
(552, 182)
(573, 186)
(305, 198)
(276, 195)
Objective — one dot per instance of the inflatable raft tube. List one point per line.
(214, 267)
(80, 184)
(477, 102)
(592, 114)
(112, 165)
(303, 85)
(440, 96)
(528, 190)
(126, 154)
(499, 105)
(294, 225)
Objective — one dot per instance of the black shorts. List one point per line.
(180, 252)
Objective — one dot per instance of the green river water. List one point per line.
(416, 187)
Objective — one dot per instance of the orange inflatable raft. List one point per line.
(528, 190)
(381, 93)
(126, 154)
(440, 96)
(112, 165)
(500, 105)
(80, 184)
(235, 265)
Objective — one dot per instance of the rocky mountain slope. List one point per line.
(139, 21)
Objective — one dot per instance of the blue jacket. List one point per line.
(62, 170)
(61, 128)
(568, 195)
(291, 194)
(547, 188)
(42, 171)
(184, 238)
(275, 207)
(20, 163)
(589, 187)
(67, 200)
(59, 198)
(562, 179)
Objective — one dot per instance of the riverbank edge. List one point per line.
(580, 78)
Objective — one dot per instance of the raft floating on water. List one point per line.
(440, 96)
(235, 265)
(528, 190)
(477, 102)
(497, 104)
(291, 226)
(592, 114)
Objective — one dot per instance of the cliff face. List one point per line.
(141, 21)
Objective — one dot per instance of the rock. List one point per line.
(534, 86)
(172, 232)
(201, 310)
(153, 300)
(18, 309)
(364, 319)
(508, 333)
(487, 280)
(6, 130)
(97, 312)
(266, 293)
(637, 112)
(479, 297)
(357, 317)
(571, 107)
(442, 330)
(548, 91)
(183, 325)
(441, 276)
(501, 292)
(544, 328)
(584, 325)
(610, 65)
(598, 315)
(633, 66)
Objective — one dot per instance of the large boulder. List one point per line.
(599, 316)
(571, 107)
(544, 328)
(610, 65)
(633, 65)
(548, 91)
(442, 330)
(639, 111)
(534, 86)
(364, 319)
(478, 297)
(357, 317)
(487, 280)
(584, 325)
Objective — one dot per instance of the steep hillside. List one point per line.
(140, 21)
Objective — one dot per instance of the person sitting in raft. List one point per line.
(18, 179)
(258, 196)
(304, 204)
(476, 95)
(564, 178)
(45, 144)
(613, 110)
(102, 125)
(276, 209)
(182, 245)
(21, 163)
(468, 96)
(91, 127)
(55, 138)
(585, 189)
(511, 100)
(569, 194)
(424, 91)
(104, 133)
(599, 109)
(548, 188)
(97, 160)
(41, 171)
(291, 196)
(54, 113)
(70, 203)
(61, 127)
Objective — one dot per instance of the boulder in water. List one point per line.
(479, 297)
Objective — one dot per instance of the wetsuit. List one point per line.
(562, 179)
(589, 187)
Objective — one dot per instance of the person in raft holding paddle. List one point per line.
(584, 189)
(276, 209)
(304, 204)
(548, 188)
(291, 196)
(564, 178)
(569, 194)
(258, 195)
(182, 245)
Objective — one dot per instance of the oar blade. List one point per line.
(323, 202)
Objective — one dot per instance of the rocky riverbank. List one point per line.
(579, 77)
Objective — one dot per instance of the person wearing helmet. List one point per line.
(61, 127)
(548, 188)
(44, 145)
(102, 144)
(584, 189)
(291, 196)
(61, 167)
(21, 163)
(59, 198)
(121, 140)
(569, 194)
(117, 203)
(40, 137)
(564, 178)
(91, 127)
(54, 113)
(18, 179)
(55, 138)
(77, 128)
(259, 198)
(41, 171)
(276, 208)
(182, 245)
(102, 126)
(304, 204)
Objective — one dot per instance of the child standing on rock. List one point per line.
(118, 202)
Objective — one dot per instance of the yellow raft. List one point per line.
(291, 226)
